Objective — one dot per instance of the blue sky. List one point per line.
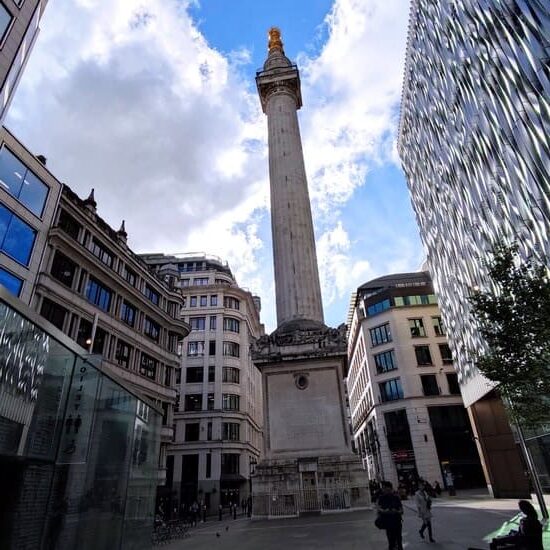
(153, 103)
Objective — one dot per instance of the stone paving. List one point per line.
(459, 523)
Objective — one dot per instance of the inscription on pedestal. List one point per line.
(307, 420)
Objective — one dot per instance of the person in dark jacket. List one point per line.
(529, 534)
(390, 511)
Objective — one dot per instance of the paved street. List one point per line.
(458, 524)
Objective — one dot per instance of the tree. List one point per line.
(514, 320)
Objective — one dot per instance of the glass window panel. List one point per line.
(423, 355)
(10, 282)
(5, 217)
(429, 385)
(33, 193)
(5, 20)
(12, 170)
(19, 240)
(452, 381)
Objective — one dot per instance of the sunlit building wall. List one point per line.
(474, 144)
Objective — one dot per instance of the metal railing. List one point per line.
(292, 503)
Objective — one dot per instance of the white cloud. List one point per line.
(134, 102)
(340, 274)
(351, 91)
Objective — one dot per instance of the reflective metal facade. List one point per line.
(474, 143)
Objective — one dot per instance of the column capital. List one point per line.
(279, 81)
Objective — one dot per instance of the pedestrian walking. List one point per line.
(450, 482)
(194, 513)
(204, 512)
(235, 510)
(220, 512)
(390, 516)
(424, 508)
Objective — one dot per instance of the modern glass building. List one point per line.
(29, 195)
(78, 450)
(474, 142)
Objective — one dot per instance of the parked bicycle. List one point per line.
(166, 531)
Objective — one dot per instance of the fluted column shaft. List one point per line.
(298, 292)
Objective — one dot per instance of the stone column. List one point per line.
(297, 288)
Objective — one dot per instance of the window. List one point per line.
(380, 335)
(385, 361)
(53, 313)
(185, 282)
(230, 463)
(231, 325)
(446, 355)
(193, 402)
(230, 402)
(423, 355)
(192, 431)
(101, 252)
(212, 347)
(16, 236)
(214, 300)
(213, 322)
(99, 294)
(439, 327)
(122, 353)
(398, 431)
(100, 337)
(452, 381)
(231, 349)
(63, 269)
(416, 327)
(15, 177)
(197, 323)
(193, 301)
(200, 281)
(194, 374)
(418, 300)
(128, 313)
(231, 375)
(69, 225)
(178, 377)
(209, 431)
(148, 366)
(231, 303)
(195, 349)
(378, 307)
(210, 402)
(429, 384)
(151, 329)
(208, 465)
(211, 373)
(391, 390)
(5, 21)
(203, 301)
(10, 282)
(84, 335)
(231, 431)
(152, 295)
(130, 276)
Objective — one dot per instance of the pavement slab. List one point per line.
(459, 523)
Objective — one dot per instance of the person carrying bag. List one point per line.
(390, 512)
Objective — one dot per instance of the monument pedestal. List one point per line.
(308, 466)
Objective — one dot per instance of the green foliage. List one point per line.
(514, 320)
